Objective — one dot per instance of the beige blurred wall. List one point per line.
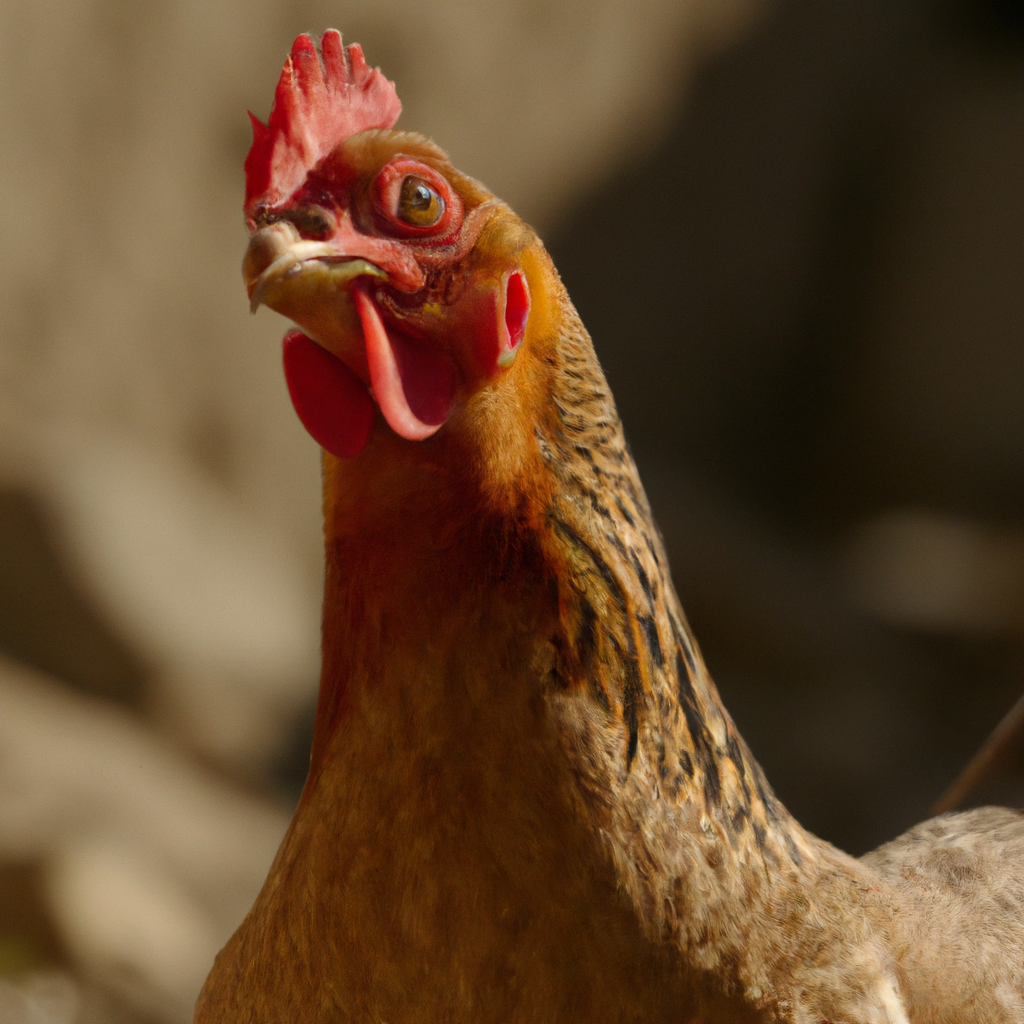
(121, 306)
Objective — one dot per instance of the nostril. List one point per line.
(312, 221)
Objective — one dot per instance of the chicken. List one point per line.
(525, 799)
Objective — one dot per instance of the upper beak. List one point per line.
(310, 283)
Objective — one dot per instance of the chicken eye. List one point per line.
(418, 204)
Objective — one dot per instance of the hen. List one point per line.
(525, 800)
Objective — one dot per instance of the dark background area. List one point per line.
(809, 301)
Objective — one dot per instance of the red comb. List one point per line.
(321, 100)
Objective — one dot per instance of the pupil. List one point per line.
(421, 197)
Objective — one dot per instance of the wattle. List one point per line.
(333, 404)
(413, 384)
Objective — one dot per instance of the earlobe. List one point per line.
(498, 312)
(517, 312)
(516, 302)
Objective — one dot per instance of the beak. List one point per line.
(326, 293)
(310, 284)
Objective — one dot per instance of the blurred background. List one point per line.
(795, 229)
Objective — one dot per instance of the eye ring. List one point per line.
(414, 200)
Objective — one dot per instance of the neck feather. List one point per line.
(556, 565)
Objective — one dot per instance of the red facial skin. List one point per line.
(447, 318)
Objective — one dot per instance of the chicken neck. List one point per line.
(525, 798)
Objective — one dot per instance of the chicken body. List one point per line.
(525, 800)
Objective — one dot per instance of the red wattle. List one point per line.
(331, 401)
(414, 386)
